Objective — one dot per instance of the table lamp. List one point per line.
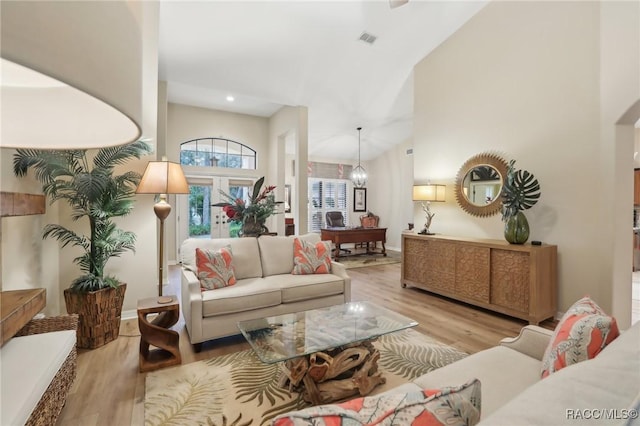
(426, 194)
(162, 178)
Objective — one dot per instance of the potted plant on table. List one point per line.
(251, 215)
(520, 191)
(96, 194)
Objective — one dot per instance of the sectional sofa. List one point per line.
(501, 386)
(265, 285)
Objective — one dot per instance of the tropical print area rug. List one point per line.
(239, 390)
(375, 259)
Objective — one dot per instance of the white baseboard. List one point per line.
(131, 314)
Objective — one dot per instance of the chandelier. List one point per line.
(359, 174)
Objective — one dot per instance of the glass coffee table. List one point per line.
(327, 353)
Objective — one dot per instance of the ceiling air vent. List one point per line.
(368, 38)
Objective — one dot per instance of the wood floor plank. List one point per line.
(109, 390)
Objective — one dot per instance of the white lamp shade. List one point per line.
(71, 74)
(429, 192)
(163, 177)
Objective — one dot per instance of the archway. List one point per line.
(621, 288)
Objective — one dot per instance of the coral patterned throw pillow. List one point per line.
(584, 330)
(215, 268)
(458, 405)
(309, 258)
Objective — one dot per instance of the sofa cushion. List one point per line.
(504, 373)
(29, 364)
(245, 295)
(584, 330)
(246, 254)
(215, 268)
(609, 381)
(276, 253)
(456, 406)
(311, 258)
(296, 288)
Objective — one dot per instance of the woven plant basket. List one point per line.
(99, 315)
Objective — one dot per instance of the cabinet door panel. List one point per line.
(440, 261)
(415, 269)
(510, 279)
(472, 272)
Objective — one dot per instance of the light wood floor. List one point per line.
(109, 390)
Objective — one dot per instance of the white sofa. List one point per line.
(265, 286)
(514, 394)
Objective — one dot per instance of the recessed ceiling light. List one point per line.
(230, 98)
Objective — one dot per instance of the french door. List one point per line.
(198, 219)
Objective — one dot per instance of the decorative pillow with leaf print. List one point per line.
(310, 258)
(584, 330)
(215, 268)
(449, 406)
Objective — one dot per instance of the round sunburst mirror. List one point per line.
(479, 184)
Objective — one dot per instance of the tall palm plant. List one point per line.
(92, 191)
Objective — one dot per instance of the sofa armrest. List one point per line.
(340, 270)
(531, 341)
(192, 305)
(49, 324)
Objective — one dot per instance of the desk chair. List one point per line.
(335, 219)
(368, 221)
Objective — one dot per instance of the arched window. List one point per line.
(217, 152)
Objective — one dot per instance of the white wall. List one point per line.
(289, 122)
(140, 269)
(389, 192)
(523, 78)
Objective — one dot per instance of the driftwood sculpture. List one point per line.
(333, 375)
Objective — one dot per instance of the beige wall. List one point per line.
(185, 123)
(27, 260)
(524, 79)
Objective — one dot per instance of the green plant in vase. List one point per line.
(251, 215)
(96, 195)
(520, 191)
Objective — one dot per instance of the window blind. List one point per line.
(326, 195)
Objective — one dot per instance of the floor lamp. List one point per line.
(162, 178)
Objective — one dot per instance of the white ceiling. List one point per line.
(273, 53)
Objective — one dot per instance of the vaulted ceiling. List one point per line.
(267, 54)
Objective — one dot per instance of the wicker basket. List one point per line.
(99, 314)
(50, 405)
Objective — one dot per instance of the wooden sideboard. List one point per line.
(516, 280)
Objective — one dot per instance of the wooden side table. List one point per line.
(157, 333)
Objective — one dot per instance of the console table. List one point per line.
(516, 280)
(353, 235)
